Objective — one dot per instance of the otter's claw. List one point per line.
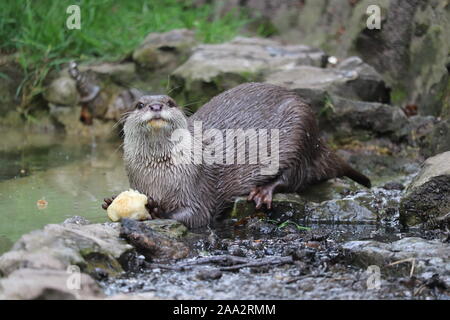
(261, 195)
(107, 202)
(153, 209)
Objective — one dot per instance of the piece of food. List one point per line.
(42, 204)
(129, 204)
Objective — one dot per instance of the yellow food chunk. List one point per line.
(129, 204)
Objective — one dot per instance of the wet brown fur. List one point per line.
(196, 193)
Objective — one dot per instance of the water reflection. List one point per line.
(69, 176)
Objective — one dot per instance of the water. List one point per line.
(66, 176)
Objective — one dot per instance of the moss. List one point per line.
(445, 113)
(428, 201)
(102, 260)
(328, 108)
(284, 207)
(398, 96)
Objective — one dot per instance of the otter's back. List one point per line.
(252, 106)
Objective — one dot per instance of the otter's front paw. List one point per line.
(107, 202)
(153, 209)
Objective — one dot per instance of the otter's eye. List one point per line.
(171, 104)
(139, 105)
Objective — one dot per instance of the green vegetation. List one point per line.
(286, 223)
(110, 30)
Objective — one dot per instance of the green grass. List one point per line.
(110, 30)
(286, 223)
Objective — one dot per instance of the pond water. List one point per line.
(47, 178)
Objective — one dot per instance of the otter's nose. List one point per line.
(156, 107)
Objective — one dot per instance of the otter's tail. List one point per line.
(355, 175)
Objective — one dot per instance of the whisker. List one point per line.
(172, 89)
(119, 147)
(189, 104)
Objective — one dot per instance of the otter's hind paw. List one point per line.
(261, 196)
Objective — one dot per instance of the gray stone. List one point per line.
(217, 67)
(77, 220)
(48, 284)
(165, 50)
(208, 274)
(431, 256)
(435, 139)
(346, 116)
(352, 79)
(171, 228)
(410, 50)
(58, 246)
(62, 91)
(284, 207)
(121, 73)
(341, 211)
(69, 120)
(154, 245)
(428, 195)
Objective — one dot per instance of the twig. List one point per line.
(413, 264)
(233, 263)
(260, 263)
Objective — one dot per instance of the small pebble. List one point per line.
(393, 186)
(209, 274)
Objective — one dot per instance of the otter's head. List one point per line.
(155, 115)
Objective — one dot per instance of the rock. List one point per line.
(77, 220)
(352, 79)
(284, 207)
(393, 185)
(345, 116)
(360, 207)
(208, 274)
(69, 120)
(62, 91)
(214, 68)
(122, 103)
(154, 245)
(341, 211)
(170, 228)
(436, 139)
(412, 52)
(428, 195)
(410, 49)
(134, 296)
(57, 247)
(431, 256)
(129, 204)
(120, 73)
(47, 284)
(117, 82)
(165, 50)
(417, 130)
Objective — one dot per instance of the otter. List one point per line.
(197, 193)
